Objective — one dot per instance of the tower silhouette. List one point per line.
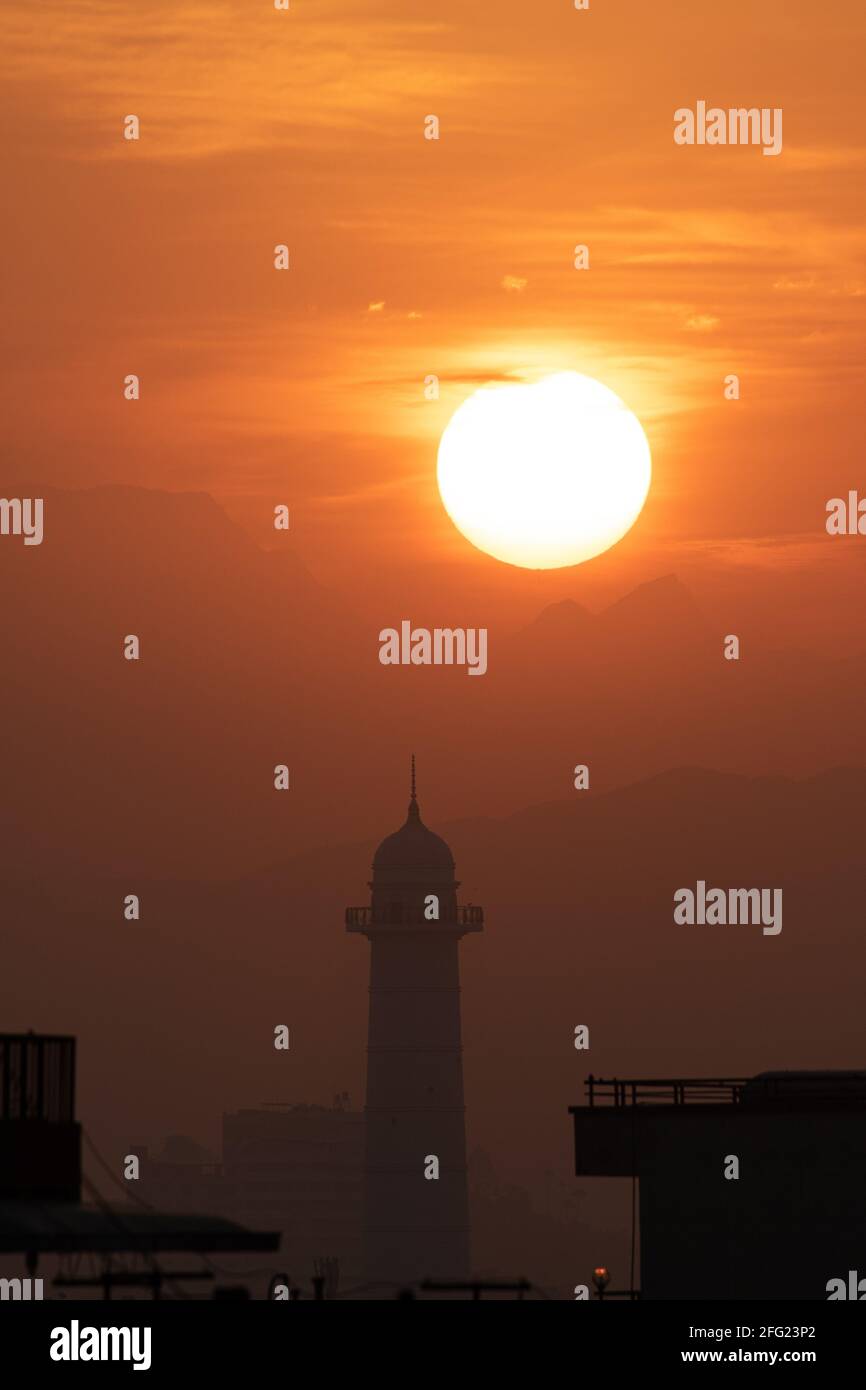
(415, 1226)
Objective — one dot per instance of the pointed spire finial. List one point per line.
(414, 813)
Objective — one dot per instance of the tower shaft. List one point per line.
(416, 1204)
(416, 1199)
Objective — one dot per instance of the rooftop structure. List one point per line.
(749, 1187)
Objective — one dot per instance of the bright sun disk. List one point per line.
(544, 475)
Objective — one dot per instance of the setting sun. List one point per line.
(545, 475)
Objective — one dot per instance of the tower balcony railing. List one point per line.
(398, 915)
(37, 1078)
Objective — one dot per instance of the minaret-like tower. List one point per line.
(415, 1226)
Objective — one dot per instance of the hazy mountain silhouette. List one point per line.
(248, 662)
(565, 621)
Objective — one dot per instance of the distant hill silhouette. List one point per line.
(247, 662)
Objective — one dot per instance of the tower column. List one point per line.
(416, 1207)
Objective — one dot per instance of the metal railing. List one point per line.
(396, 915)
(37, 1077)
(665, 1091)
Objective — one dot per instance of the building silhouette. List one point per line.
(297, 1169)
(790, 1221)
(292, 1168)
(41, 1209)
(415, 1226)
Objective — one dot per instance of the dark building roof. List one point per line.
(805, 1089)
(775, 1089)
(64, 1227)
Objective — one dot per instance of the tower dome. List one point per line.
(411, 864)
(413, 852)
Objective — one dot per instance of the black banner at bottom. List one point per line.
(164, 1339)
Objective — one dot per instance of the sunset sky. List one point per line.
(412, 257)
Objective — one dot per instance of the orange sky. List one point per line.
(156, 257)
(261, 127)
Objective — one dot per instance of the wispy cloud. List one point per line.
(227, 76)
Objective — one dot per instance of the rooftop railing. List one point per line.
(667, 1091)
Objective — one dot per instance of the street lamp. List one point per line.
(601, 1279)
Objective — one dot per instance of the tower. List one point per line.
(414, 1225)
